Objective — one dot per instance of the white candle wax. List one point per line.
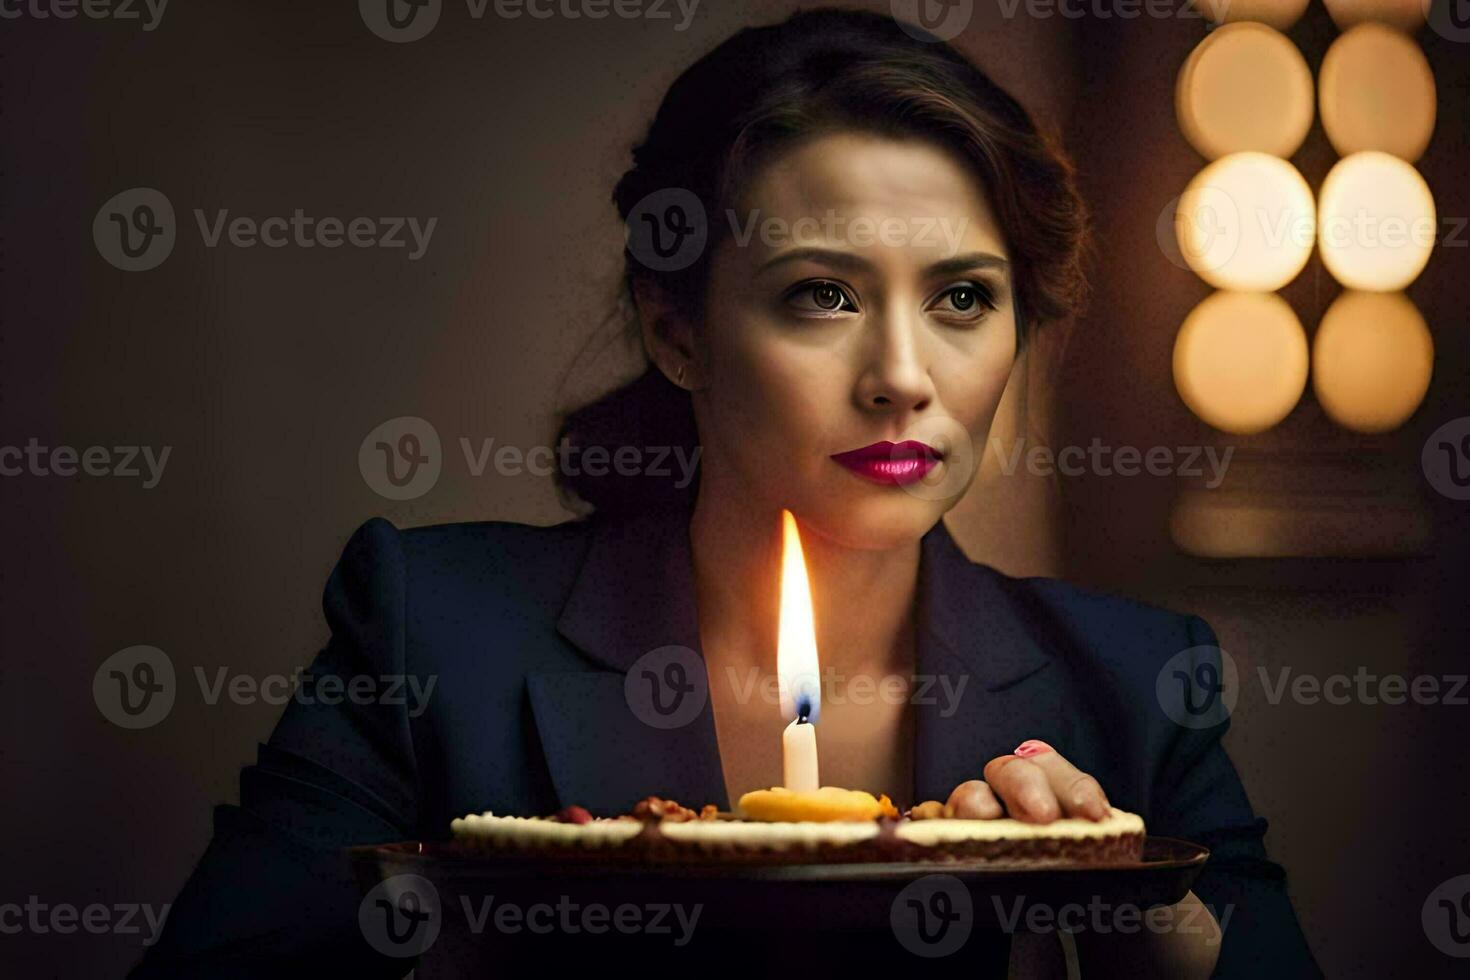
(799, 751)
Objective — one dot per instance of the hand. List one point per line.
(1034, 784)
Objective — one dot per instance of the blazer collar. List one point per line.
(977, 646)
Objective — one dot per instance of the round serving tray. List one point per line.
(752, 911)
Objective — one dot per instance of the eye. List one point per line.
(966, 301)
(821, 297)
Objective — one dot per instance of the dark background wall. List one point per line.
(263, 369)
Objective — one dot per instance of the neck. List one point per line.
(862, 600)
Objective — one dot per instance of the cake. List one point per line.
(777, 826)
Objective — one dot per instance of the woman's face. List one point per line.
(860, 293)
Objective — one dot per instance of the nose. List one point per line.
(895, 372)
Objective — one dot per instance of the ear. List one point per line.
(668, 336)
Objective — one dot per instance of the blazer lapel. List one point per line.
(991, 679)
(982, 682)
(634, 594)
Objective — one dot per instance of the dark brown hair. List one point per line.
(756, 96)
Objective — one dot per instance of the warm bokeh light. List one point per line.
(1377, 93)
(1372, 359)
(1279, 14)
(1240, 361)
(1220, 524)
(1245, 87)
(1406, 15)
(1246, 222)
(796, 641)
(1376, 222)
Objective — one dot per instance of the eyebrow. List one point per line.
(847, 260)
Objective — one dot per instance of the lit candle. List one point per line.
(796, 665)
(799, 753)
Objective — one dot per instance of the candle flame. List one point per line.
(796, 643)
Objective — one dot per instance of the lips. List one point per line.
(892, 463)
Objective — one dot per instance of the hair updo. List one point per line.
(757, 95)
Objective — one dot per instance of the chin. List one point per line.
(876, 519)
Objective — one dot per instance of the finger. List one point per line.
(1079, 794)
(1023, 788)
(974, 800)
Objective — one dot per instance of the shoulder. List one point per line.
(497, 542)
(512, 537)
(1128, 637)
(515, 557)
(1108, 614)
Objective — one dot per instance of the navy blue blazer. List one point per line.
(529, 631)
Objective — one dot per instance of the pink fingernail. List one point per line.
(1030, 747)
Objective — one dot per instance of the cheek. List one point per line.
(769, 386)
(972, 385)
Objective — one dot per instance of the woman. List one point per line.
(835, 227)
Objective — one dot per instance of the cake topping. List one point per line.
(652, 809)
(573, 814)
(931, 810)
(830, 803)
